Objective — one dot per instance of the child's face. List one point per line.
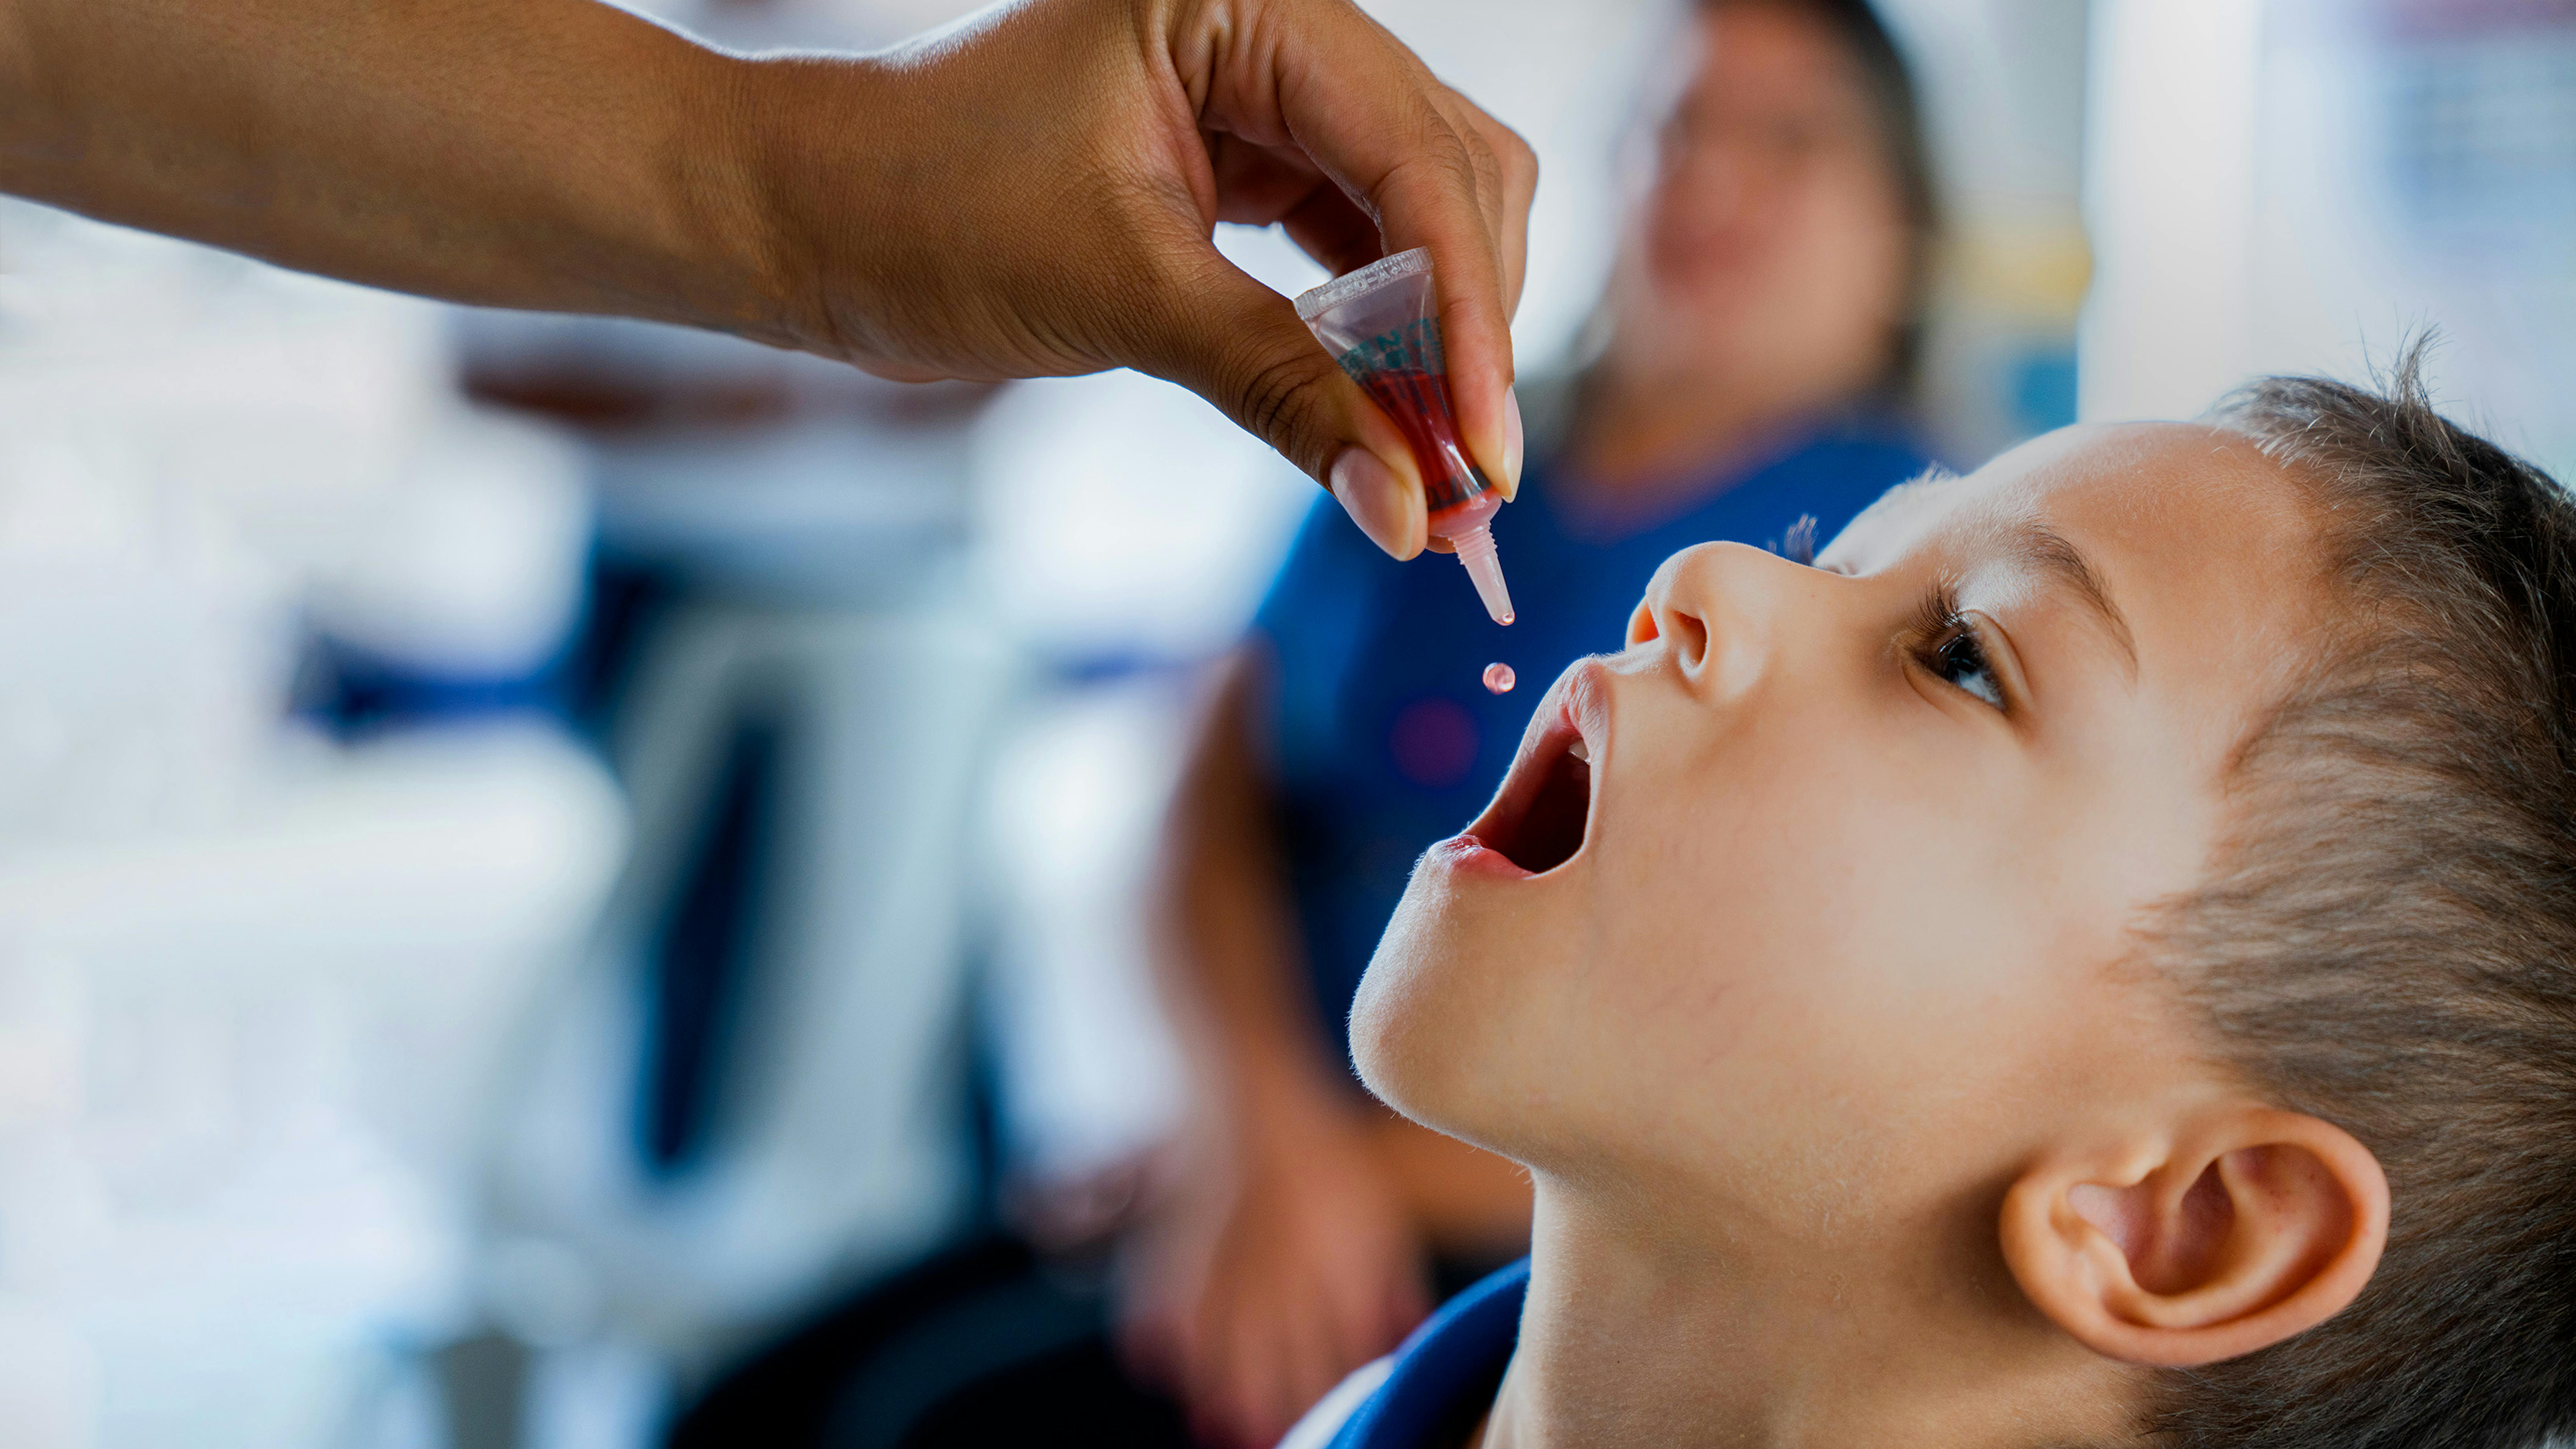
(1845, 934)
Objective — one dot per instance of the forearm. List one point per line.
(1224, 934)
(555, 154)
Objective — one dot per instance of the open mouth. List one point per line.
(1540, 815)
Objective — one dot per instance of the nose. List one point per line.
(1711, 184)
(1724, 610)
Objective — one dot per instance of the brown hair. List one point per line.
(2390, 940)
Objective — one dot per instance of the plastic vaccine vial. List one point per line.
(1382, 324)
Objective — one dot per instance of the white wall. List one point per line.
(2298, 185)
(2169, 196)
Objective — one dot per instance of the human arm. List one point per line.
(1031, 193)
(554, 154)
(1292, 1248)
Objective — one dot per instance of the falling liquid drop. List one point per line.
(1499, 678)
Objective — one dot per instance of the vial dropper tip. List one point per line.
(1476, 551)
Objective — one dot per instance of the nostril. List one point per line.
(1690, 637)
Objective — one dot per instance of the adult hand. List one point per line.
(1282, 1261)
(1028, 193)
(1033, 193)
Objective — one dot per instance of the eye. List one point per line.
(1957, 658)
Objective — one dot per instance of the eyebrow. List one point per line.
(2055, 555)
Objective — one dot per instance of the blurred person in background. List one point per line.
(1755, 345)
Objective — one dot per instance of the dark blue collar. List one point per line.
(1445, 1375)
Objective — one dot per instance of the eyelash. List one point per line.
(1950, 651)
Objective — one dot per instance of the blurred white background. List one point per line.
(254, 984)
(338, 945)
(2296, 186)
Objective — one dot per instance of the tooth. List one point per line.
(1580, 751)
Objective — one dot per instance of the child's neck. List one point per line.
(1646, 1327)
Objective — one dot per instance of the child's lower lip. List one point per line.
(1464, 854)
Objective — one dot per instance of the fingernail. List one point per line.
(1512, 443)
(1372, 494)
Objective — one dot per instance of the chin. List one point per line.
(1407, 1023)
(1447, 1019)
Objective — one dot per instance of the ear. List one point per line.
(2246, 1226)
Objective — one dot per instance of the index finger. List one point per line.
(1432, 169)
(1476, 327)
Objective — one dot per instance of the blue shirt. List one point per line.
(1444, 1377)
(1381, 737)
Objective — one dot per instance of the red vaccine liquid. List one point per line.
(1460, 501)
(1418, 401)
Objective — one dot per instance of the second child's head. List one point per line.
(2115, 911)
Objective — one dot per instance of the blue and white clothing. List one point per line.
(1430, 1393)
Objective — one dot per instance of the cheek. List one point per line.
(1790, 941)
(1842, 248)
(1779, 935)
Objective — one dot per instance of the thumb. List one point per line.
(1241, 346)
